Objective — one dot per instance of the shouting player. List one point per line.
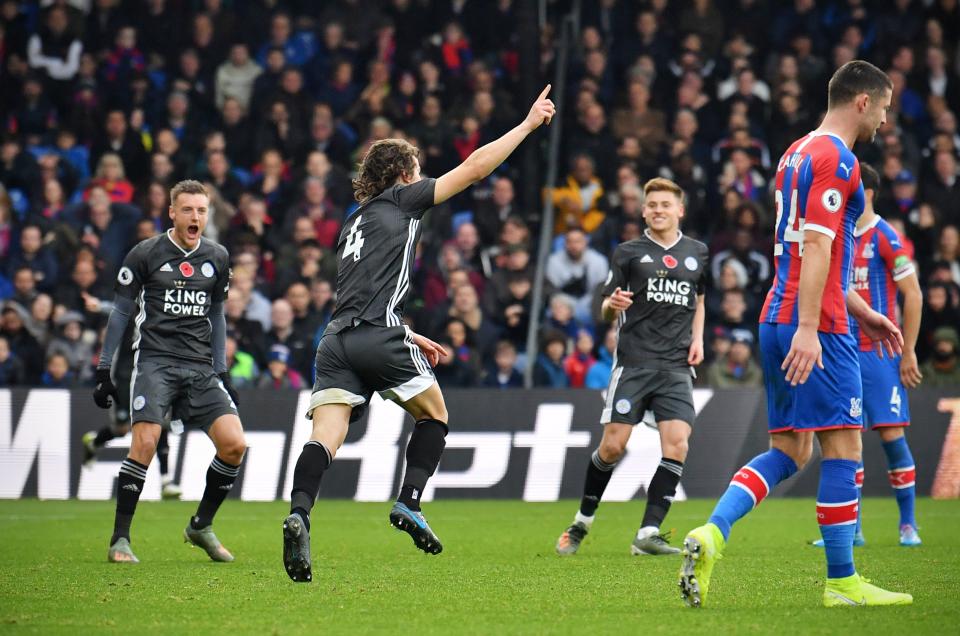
(882, 267)
(176, 282)
(811, 365)
(655, 290)
(366, 347)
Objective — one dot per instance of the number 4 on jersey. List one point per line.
(354, 241)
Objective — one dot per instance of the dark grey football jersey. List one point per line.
(375, 256)
(174, 290)
(655, 332)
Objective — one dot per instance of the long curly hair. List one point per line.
(383, 164)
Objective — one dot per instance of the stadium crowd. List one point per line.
(106, 103)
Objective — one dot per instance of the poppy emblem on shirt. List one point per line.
(186, 269)
(669, 261)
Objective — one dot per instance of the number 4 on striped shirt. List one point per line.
(354, 241)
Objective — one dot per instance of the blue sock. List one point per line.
(859, 497)
(837, 514)
(749, 486)
(902, 478)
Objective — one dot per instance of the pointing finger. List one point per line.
(545, 92)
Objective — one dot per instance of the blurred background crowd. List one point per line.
(104, 104)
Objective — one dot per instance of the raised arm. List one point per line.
(485, 159)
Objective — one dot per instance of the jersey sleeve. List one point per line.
(832, 180)
(704, 258)
(132, 274)
(223, 279)
(895, 255)
(415, 199)
(616, 277)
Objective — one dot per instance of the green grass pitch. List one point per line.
(498, 573)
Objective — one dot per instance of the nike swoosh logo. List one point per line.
(847, 599)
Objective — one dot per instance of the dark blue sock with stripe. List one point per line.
(902, 473)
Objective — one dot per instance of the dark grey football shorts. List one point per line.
(161, 392)
(633, 391)
(354, 363)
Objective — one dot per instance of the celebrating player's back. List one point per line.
(805, 332)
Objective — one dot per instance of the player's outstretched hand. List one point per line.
(910, 369)
(620, 300)
(805, 351)
(430, 349)
(541, 112)
(882, 332)
(105, 389)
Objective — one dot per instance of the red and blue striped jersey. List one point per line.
(880, 260)
(819, 188)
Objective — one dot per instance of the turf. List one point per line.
(498, 573)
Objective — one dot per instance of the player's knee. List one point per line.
(231, 450)
(676, 449)
(612, 449)
(890, 434)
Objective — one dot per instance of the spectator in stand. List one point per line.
(111, 176)
(598, 376)
(58, 374)
(11, 368)
(577, 270)
(305, 319)
(947, 254)
(548, 370)
(492, 213)
(638, 119)
(13, 328)
(465, 306)
(279, 374)
(580, 360)
(943, 368)
(41, 319)
(319, 208)
(503, 373)
(71, 343)
(244, 371)
(451, 371)
(753, 261)
(736, 368)
(299, 345)
(740, 175)
(106, 227)
(942, 190)
(119, 139)
(55, 52)
(236, 76)
(579, 201)
(35, 255)
(612, 231)
(24, 286)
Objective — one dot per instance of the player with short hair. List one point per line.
(655, 291)
(366, 347)
(882, 268)
(177, 283)
(805, 332)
